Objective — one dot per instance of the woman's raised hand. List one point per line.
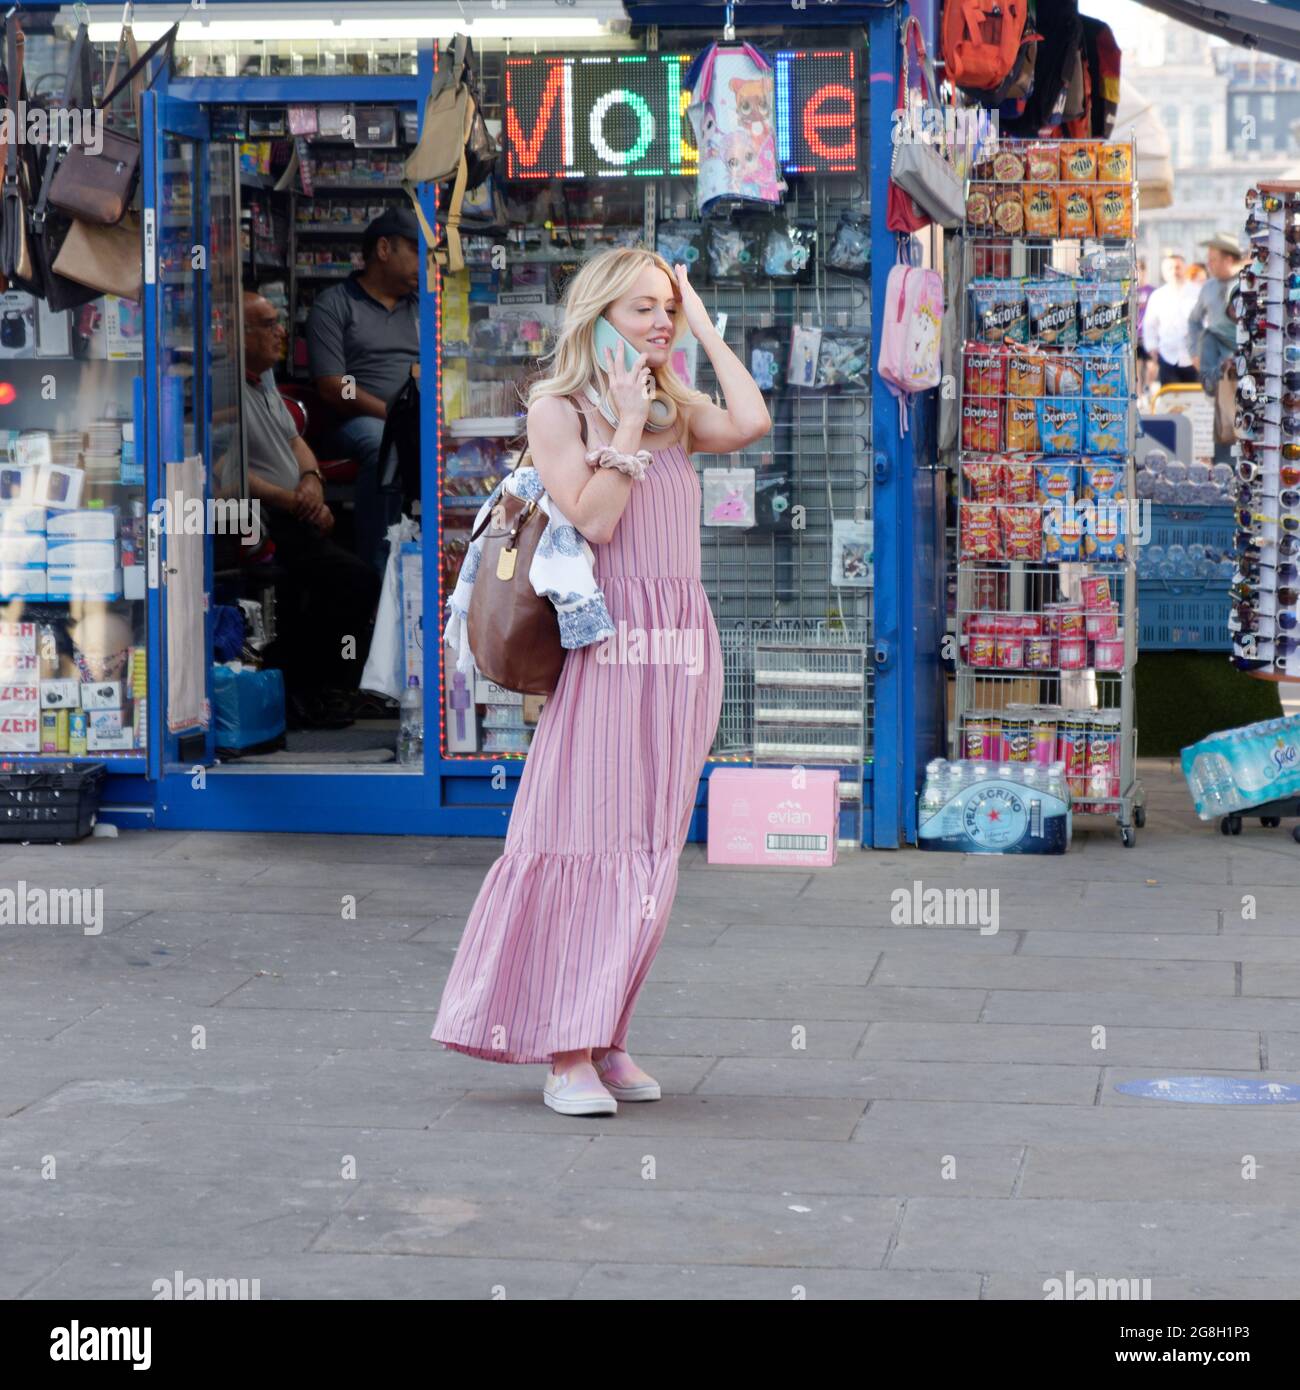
(631, 389)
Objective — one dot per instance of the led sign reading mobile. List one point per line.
(570, 116)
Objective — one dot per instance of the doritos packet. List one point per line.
(1063, 374)
(1105, 373)
(1022, 427)
(1060, 425)
(1053, 312)
(1026, 372)
(1105, 427)
(1103, 312)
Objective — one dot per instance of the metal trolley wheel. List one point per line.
(1230, 825)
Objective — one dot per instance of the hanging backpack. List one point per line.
(454, 144)
(1104, 67)
(1076, 118)
(911, 342)
(1062, 30)
(981, 39)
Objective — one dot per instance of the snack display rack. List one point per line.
(1047, 622)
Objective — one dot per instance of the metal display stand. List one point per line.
(1046, 646)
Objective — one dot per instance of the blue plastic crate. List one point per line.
(1191, 613)
(1183, 622)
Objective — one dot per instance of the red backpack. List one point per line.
(981, 39)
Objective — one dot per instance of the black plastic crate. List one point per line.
(49, 801)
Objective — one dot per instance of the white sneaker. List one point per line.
(578, 1092)
(624, 1080)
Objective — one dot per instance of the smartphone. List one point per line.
(607, 336)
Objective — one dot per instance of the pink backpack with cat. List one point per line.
(911, 336)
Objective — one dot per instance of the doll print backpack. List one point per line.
(911, 343)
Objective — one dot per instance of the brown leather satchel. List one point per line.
(97, 186)
(514, 632)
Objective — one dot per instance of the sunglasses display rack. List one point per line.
(1046, 587)
(1264, 617)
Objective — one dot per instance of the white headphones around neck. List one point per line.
(662, 416)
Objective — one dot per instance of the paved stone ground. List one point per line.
(765, 1167)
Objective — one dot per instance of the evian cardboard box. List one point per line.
(773, 815)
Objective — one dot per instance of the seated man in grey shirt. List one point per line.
(363, 336)
(330, 595)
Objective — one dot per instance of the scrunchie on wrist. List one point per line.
(634, 465)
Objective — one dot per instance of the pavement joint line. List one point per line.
(856, 1055)
(1263, 1050)
(708, 1072)
(894, 1234)
(48, 1274)
(99, 1008)
(1236, 975)
(984, 1287)
(979, 1017)
(1022, 1163)
(1101, 1084)
(871, 974)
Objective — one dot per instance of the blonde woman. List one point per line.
(569, 918)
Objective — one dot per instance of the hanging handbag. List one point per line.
(15, 254)
(97, 185)
(48, 229)
(108, 260)
(514, 632)
(920, 169)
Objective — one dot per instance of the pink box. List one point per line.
(773, 815)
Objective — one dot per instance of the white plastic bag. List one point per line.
(386, 664)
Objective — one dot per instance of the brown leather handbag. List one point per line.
(97, 186)
(514, 632)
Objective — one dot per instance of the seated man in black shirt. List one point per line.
(327, 607)
(363, 337)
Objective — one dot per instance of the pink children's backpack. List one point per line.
(911, 341)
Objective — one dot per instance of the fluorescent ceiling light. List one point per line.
(229, 31)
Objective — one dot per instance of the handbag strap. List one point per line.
(582, 430)
(14, 72)
(168, 41)
(126, 44)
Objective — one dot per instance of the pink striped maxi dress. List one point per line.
(570, 917)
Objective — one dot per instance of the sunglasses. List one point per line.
(1253, 570)
(1269, 202)
(1287, 521)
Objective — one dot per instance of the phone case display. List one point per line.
(1264, 616)
(728, 496)
(1046, 601)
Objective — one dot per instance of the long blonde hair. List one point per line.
(606, 277)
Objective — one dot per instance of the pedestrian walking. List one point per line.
(568, 920)
(1164, 325)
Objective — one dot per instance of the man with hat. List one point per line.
(363, 337)
(1211, 333)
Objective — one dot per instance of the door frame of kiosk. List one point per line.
(331, 799)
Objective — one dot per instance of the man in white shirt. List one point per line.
(1164, 327)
